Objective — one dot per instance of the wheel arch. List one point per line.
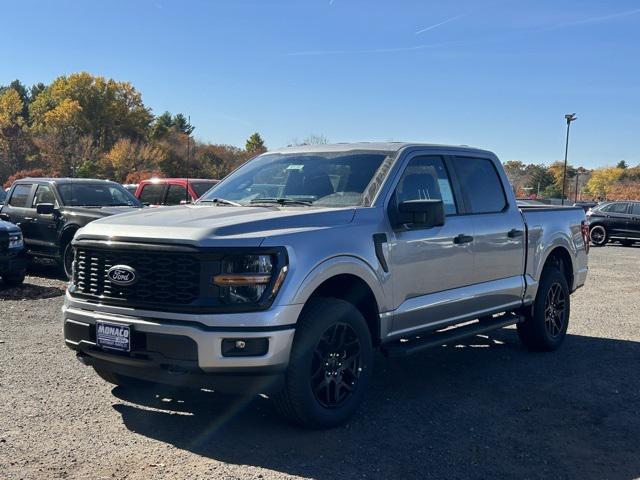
(350, 279)
(560, 257)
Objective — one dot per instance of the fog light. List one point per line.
(244, 347)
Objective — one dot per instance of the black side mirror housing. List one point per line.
(421, 213)
(45, 209)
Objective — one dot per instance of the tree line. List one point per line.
(83, 125)
(545, 181)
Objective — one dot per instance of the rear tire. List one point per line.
(330, 366)
(546, 321)
(599, 236)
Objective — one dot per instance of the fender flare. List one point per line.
(339, 265)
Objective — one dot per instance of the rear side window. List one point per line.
(481, 184)
(635, 209)
(152, 194)
(176, 194)
(616, 208)
(20, 196)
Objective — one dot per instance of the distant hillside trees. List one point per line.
(90, 126)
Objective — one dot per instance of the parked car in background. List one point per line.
(49, 211)
(585, 205)
(12, 263)
(3, 195)
(172, 191)
(131, 187)
(285, 277)
(615, 221)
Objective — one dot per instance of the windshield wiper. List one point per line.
(223, 201)
(282, 201)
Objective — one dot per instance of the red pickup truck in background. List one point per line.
(172, 191)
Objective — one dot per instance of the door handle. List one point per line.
(515, 233)
(28, 219)
(462, 238)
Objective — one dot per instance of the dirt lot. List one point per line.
(484, 409)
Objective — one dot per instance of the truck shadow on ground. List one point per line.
(486, 408)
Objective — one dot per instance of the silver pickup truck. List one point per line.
(287, 276)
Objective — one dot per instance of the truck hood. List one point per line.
(8, 227)
(210, 226)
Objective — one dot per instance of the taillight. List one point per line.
(585, 235)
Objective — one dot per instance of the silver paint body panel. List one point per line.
(431, 281)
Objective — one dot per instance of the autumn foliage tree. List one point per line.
(83, 125)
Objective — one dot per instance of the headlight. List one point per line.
(246, 278)
(15, 241)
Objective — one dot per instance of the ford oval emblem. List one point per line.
(122, 275)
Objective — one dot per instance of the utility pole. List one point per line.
(579, 172)
(187, 197)
(569, 117)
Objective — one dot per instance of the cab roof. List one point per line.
(387, 147)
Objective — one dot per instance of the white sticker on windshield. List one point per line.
(295, 167)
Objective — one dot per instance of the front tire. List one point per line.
(546, 322)
(330, 366)
(599, 236)
(14, 279)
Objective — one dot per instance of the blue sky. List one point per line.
(496, 74)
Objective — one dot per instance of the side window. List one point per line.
(616, 208)
(176, 194)
(481, 184)
(20, 196)
(635, 209)
(44, 194)
(152, 194)
(425, 178)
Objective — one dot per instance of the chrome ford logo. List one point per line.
(122, 275)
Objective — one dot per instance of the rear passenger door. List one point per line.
(499, 238)
(616, 218)
(634, 221)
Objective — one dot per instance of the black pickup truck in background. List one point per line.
(12, 264)
(50, 211)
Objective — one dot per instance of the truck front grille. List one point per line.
(162, 277)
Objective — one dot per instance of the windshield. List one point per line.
(96, 195)
(335, 179)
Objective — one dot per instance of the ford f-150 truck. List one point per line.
(287, 275)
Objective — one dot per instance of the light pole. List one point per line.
(569, 117)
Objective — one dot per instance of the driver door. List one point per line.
(429, 266)
(43, 228)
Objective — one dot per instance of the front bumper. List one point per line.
(183, 348)
(13, 263)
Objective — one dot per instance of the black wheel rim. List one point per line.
(597, 235)
(336, 365)
(555, 310)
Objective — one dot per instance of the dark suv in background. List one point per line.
(615, 221)
(50, 211)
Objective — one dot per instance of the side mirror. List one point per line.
(421, 213)
(45, 209)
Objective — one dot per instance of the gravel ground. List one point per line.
(484, 409)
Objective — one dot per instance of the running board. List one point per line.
(403, 347)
